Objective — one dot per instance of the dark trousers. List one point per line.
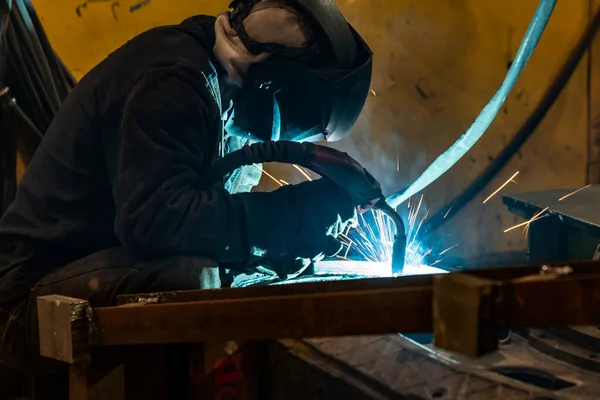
(98, 278)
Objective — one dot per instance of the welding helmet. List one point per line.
(304, 94)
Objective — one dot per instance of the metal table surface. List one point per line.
(570, 225)
(582, 208)
(569, 231)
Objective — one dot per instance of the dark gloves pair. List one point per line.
(297, 223)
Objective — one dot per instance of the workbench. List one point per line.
(233, 340)
(504, 333)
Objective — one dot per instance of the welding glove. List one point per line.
(298, 221)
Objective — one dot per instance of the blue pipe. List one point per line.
(468, 139)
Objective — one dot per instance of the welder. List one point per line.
(111, 202)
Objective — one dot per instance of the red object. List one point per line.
(216, 375)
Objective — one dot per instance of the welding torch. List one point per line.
(354, 180)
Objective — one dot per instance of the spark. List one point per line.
(536, 217)
(450, 209)
(448, 249)
(575, 192)
(373, 238)
(412, 218)
(373, 93)
(501, 187)
(303, 172)
(268, 174)
(347, 250)
(347, 230)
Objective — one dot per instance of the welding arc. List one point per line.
(468, 139)
(523, 134)
(331, 164)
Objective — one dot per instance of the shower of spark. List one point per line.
(373, 238)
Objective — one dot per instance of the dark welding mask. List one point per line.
(303, 94)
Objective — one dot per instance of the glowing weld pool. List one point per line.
(370, 268)
(338, 270)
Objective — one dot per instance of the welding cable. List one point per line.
(30, 61)
(20, 80)
(468, 139)
(24, 119)
(30, 38)
(37, 36)
(258, 153)
(37, 79)
(63, 77)
(4, 19)
(8, 143)
(22, 83)
(332, 164)
(523, 134)
(36, 75)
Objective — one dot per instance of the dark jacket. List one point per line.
(120, 163)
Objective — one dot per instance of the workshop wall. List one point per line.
(437, 63)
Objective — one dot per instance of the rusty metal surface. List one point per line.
(582, 208)
(415, 371)
(344, 308)
(283, 290)
(542, 302)
(564, 350)
(340, 308)
(374, 311)
(297, 372)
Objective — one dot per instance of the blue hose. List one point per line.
(468, 139)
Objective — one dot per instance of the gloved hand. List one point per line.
(298, 221)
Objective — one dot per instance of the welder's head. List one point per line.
(304, 72)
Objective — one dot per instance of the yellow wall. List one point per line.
(437, 63)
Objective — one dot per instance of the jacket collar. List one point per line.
(202, 28)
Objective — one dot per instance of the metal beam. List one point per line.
(362, 312)
(522, 297)
(499, 274)
(278, 290)
(404, 305)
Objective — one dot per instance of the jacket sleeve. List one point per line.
(167, 125)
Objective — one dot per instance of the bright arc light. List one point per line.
(371, 268)
(373, 241)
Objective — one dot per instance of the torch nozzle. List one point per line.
(399, 246)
